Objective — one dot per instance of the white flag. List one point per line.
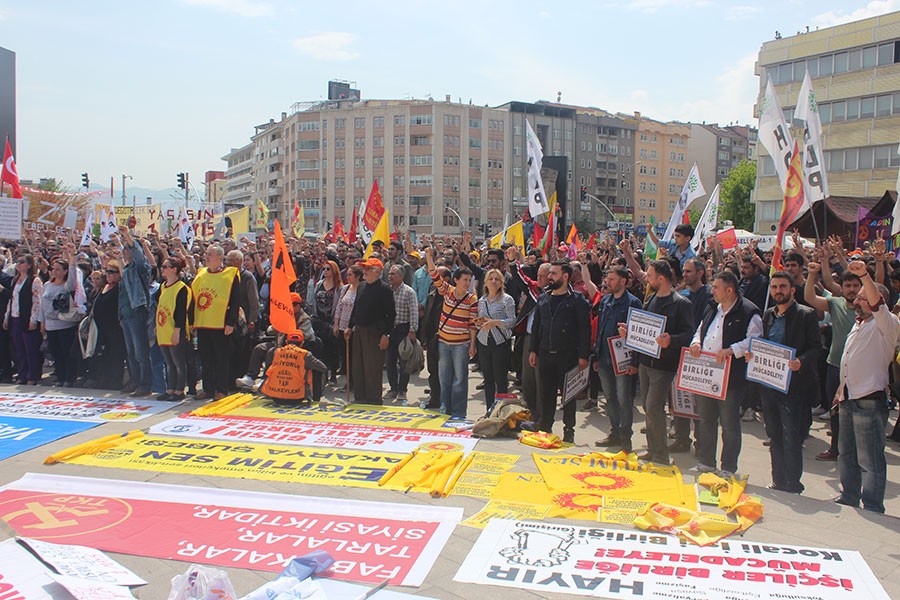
(895, 227)
(692, 189)
(108, 224)
(774, 134)
(708, 220)
(185, 230)
(814, 177)
(537, 197)
(86, 237)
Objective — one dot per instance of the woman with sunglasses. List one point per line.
(110, 338)
(172, 327)
(22, 318)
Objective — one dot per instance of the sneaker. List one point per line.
(589, 405)
(423, 404)
(816, 412)
(748, 416)
(701, 468)
(391, 395)
(401, 398)
(610, 440)
(569, 437)
(726, 475)
(246, 382)
(827, 456)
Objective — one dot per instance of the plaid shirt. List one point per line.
(407, 306)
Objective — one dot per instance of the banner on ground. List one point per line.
(23, 577)
(82, 562)
(610, 563)
(79, 408)
(370, 541)
(307, 433)
(19, 434)
(355, 414)
(769, 365)
(641, 330)
(703, 375)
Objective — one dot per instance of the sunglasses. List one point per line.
(112, 272)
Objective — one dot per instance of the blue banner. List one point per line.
(18, 434)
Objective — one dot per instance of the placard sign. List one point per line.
(621, 355)
(703, 375)
(683, 404)
(769, 365)
(641, 331)
(10, 219)
(576, 381)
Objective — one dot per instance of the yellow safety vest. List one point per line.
(165, 313)
(287, 377)
(211, 293)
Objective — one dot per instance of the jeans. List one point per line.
(784, 420)
(655, 386)
(397, 376)
(832, 381)
(727, 412)
(137, 348)
(861, 462)
(494, 362)
(453, 368)
(176, 366)
(619, 392)
(157, 368)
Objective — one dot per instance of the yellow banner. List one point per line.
(145, 217)
(240, 221)
(297, 464)
(497, 509)
(355, 414)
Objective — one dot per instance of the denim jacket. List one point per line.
(612, 311)
(136, 279)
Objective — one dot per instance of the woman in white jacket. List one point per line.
(60, 314)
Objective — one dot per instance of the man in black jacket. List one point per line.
(797, 326)
(725, 331)
(656, 374)
(561, 338)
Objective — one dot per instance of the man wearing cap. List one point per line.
(289, 378)
(371, 323)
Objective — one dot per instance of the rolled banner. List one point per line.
(92, 446)
(393, 470)
(448, 489)
(437, 489)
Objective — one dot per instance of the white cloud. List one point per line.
(652, 6)
(328, 45)
(742, 12)
(872, 9)
(244, 8)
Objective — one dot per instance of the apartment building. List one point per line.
(718, 149)
(662, 167)
(855, 73)
(239, 175)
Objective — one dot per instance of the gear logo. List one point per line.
(594, 480)
(204, 300)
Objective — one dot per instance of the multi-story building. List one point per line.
(662, 167)
(8, 95)
(855, 73)
(239, 175)
(717, 150)
(268, 163)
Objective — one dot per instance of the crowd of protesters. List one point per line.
(146, 315)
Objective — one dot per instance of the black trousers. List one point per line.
(494, 360)
(553, 369)
(61, 342)
(214, 360)
(434, 380)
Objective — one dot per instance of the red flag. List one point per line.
(727, 238)
(339, 230)
(537, 235)
(281, 309)
(351, 236)
(373, 211)
(10, 175)
(549, 240)
(591, 242)
(686, 218)
(793, 204)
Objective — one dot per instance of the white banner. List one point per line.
(308, 433)
(814, 177)
(709, 220)
(537, 196)
(23, 577)
(10, 219)
(92, 590)
(83, 563)
(576, 381)
(611, 563)
(683, 403)
(690, 191)
(642, 329)
(620, 354)
(774, 134)
(79, 408)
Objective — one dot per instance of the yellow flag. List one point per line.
(516, 235)
(240, 221)
(497, 240)
(382, 234)
(551, 203)
(262, 215)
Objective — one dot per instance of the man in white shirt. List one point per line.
(724, 331)
(862, 397)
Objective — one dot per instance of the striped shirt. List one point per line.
(457, 316)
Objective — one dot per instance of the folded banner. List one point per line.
(610, 563)
(370, 541)
(19, 435)
(22, 576)
(309, 433)
(355, 414)
(82, 562)
(79, 408)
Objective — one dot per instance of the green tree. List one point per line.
(53, 185)
(695, 215)
(734, 196)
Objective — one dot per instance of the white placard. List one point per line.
(10, 219)
(769, 365)
(576, 381)
(611, 563)
(83, 563)
(93, 590)
(683, 404)
(703, 375)
(642, 329)
(22, 576)
(620, 353)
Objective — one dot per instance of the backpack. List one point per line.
(504, 419)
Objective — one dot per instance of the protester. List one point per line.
(60, 313)
(496, 316)
(368, 331)
(110, 337)
(22, 320)
(406, 322)
(241, 339)
(134, 302)
(173, 309)
(342, 310)
(323, 304)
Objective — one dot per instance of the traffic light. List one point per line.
(85, 180)
(583, 193)
(182, 180)
(487, 231)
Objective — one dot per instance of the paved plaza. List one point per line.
(808, 520)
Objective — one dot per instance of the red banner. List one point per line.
(370, 541)
(374, 209)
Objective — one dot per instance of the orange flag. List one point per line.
(281, 310)
(573, 234)
(793, 204)
(339, 230)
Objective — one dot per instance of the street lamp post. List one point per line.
(124, 199)
(626, 169)
(462, 226)
(601, 203)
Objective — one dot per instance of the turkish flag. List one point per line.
(351, 235)
(9, 173)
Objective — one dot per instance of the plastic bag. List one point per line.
(295, 581)
(202, 583)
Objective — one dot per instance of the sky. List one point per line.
(150, 89)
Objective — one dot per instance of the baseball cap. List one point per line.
(295, 336)
(372, 262)
(296, 298)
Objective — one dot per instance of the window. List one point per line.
(869, 57)
(841, 62)
(359, 162)
(812, 66)
(866, 108)
(359, 122)
(308, 126)
(378, 141)
(886, 54)
(308, 145)
(854, 60)
(420, 180)
(420, 120)
(838, 111)
(866, 158)
(399, 161)
(883, 105)
(825, 113)
(852, 108)
(307, 165)
(851, 159)
(399, 120)
(359, 142)
(826, 65)
(399, 140)
(882, 157)
(474, 142)
(420, 161)
(475, 123)
(340, 123)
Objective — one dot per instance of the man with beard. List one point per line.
(843, 315)
(561, 338)
(863, 403)
(656, 374)
(796, 326)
